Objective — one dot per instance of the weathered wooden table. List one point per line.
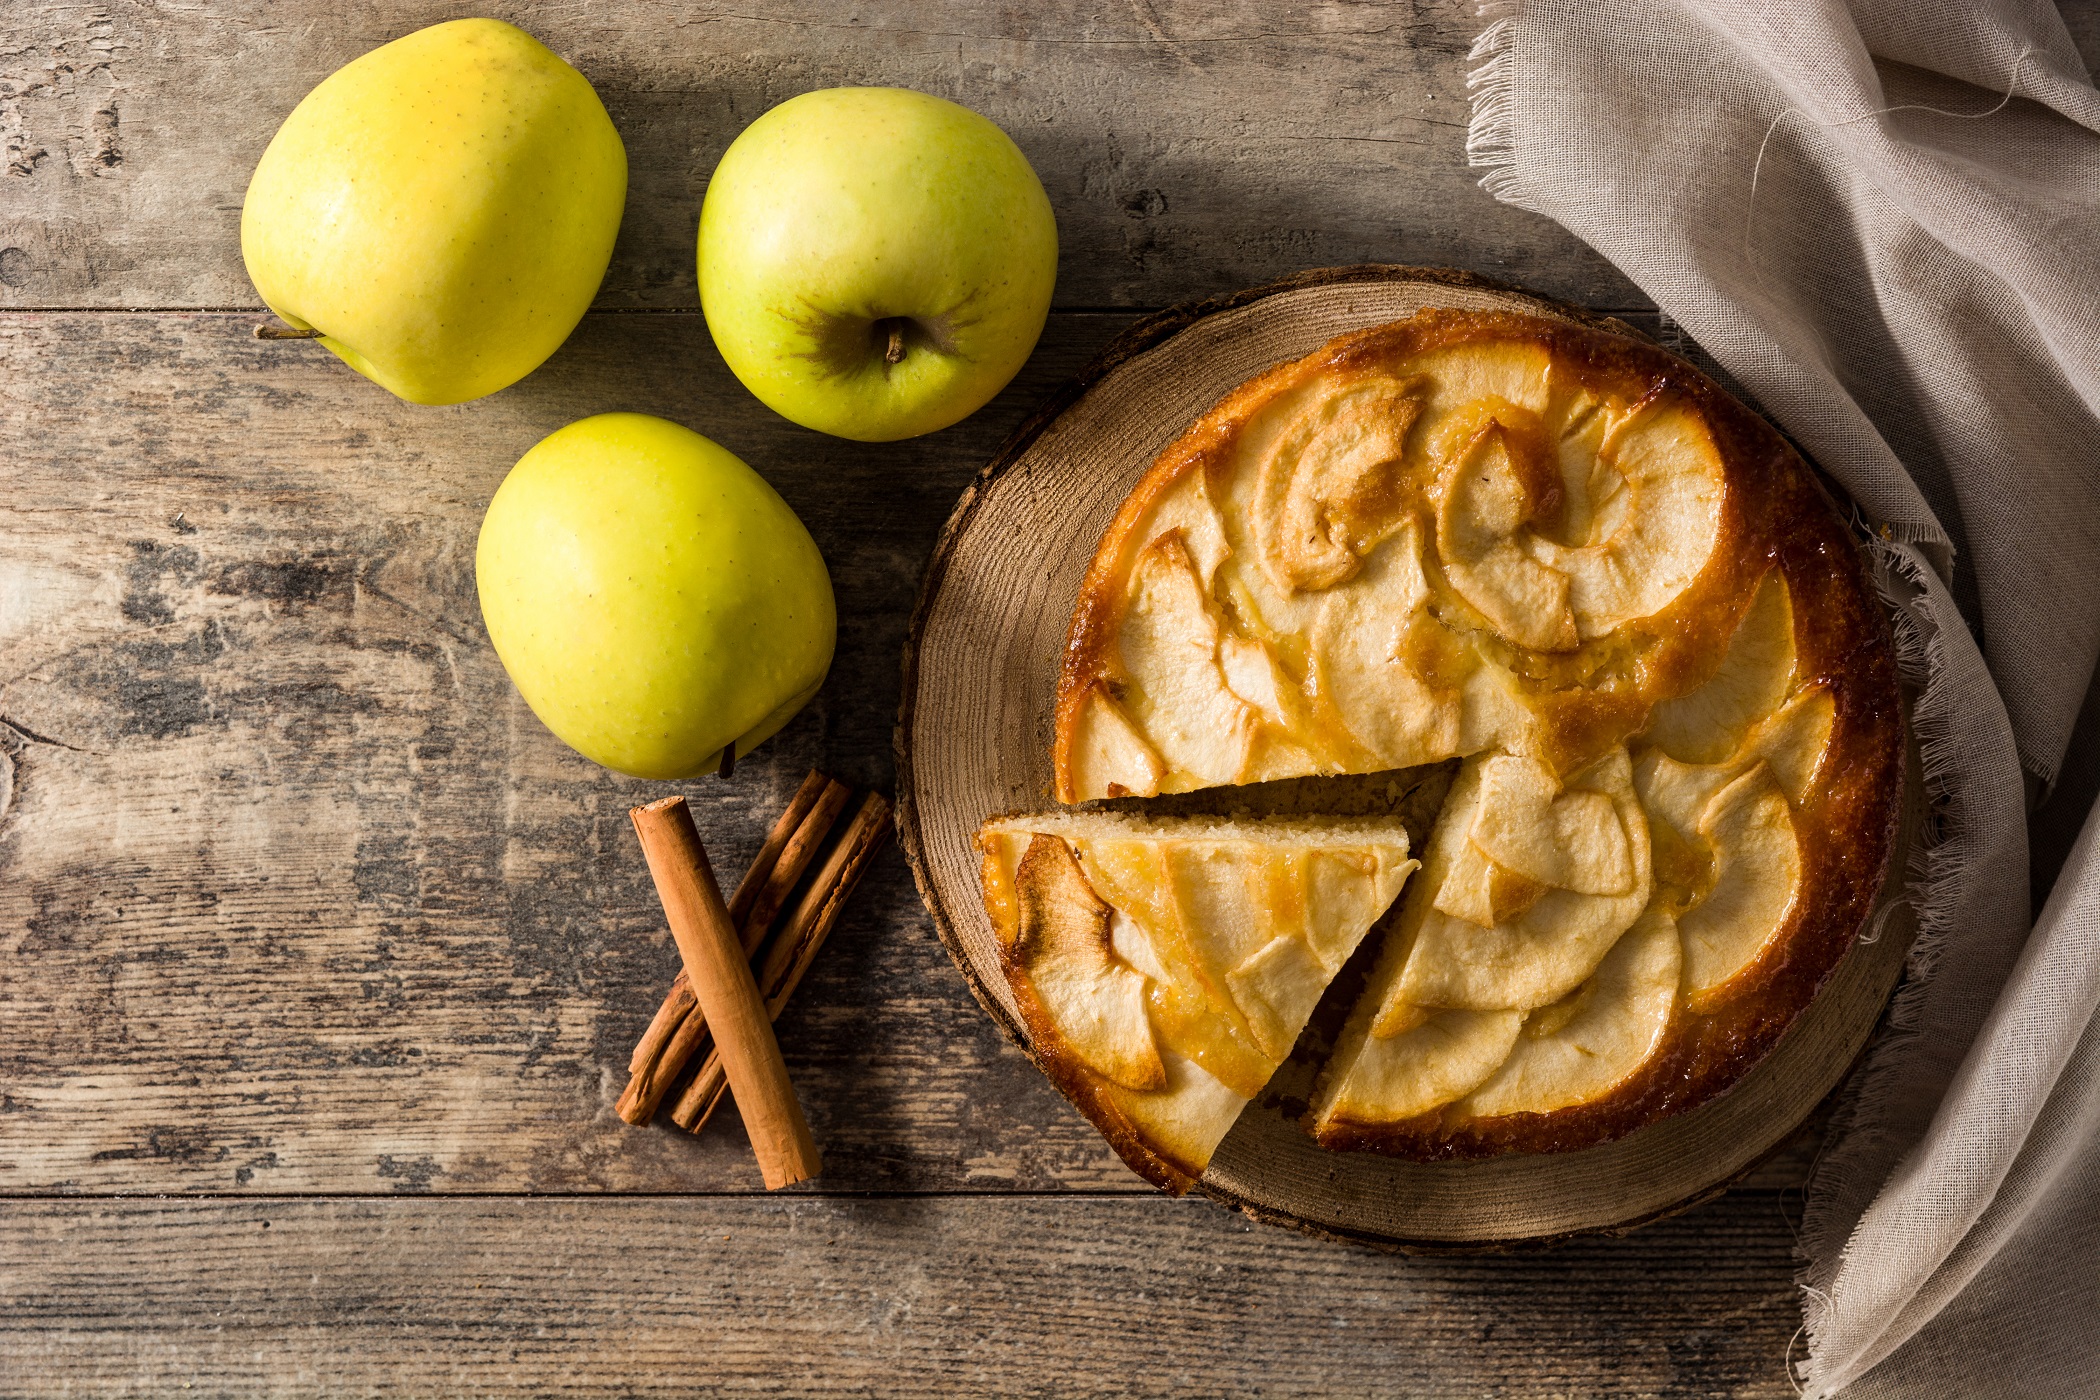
(320, 960)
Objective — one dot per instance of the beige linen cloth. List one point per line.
(1882, 218)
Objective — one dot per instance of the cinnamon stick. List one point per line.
(796, 946)
(716, 966)
(677, 1003)
(795, 856)
(679, 1028)
(783, 831)
(678, 1031)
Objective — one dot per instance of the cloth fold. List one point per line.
(1881, 218)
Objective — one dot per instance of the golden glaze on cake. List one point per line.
(1569, 559)
(1165, 967)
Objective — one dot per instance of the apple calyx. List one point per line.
(286, 333)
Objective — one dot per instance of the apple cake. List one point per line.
(1621, 603)
(1165, 967)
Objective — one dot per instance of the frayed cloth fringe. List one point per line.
(1491, 89)
(1934, 880)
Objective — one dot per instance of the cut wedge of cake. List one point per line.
(1165, 967)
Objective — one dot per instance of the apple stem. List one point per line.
(895, 353)
(286, 333)
(728, 760)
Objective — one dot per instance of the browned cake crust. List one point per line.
(1060, 1063)
(1774, 514)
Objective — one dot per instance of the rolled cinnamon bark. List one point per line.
(717, 967)
(795, 948)
(678, 1003)
(679, 1029)
(784, 828)
(662, 1053)
(794, 858)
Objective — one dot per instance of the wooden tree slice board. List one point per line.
(974, 739)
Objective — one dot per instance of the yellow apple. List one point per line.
(441, 210)
(652, 598)
(874, 262)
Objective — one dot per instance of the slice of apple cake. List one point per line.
(1165, 966)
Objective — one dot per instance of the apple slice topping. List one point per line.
(1329, 486)
(1266, 929)
(1707, 725)
(1493, 490)
(1794, 739)
(1109, 757)
(1756, 874)
(1653, 528)
(1367, 644)
(1275, 989)
(1095, 1001)
(1516, 373)
(1108, 753)
(1171, 639)
(1570, 838)
(1547, 935)
(1585, 1045)
(1239, 933)
(1192, 1011)
(1725, 844)
(1561, 528)
(1730, 763)
(1423, 1060)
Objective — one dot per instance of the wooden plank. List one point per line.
(917, 1296)
(1188, 149)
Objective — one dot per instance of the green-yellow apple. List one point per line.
(441, 210)
(875, 263)
(653, 599)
